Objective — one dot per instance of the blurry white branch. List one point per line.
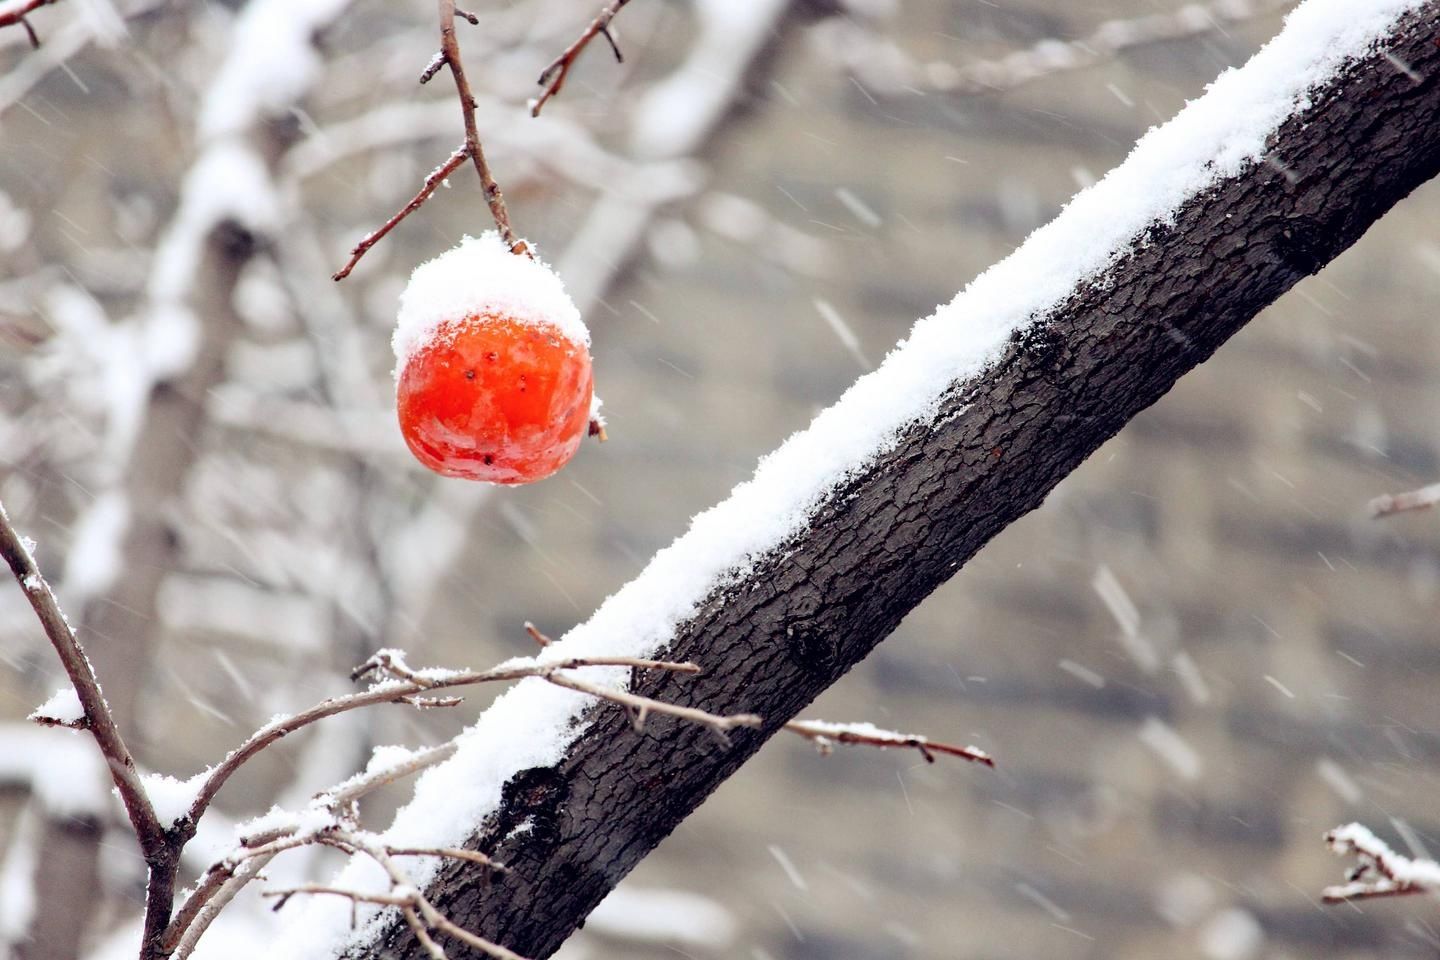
(881, 66)
(1421, 499)
(1379, 871)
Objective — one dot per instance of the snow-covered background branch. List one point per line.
(750, 210)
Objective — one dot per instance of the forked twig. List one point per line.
(552, 78)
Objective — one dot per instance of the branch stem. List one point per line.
(450, 50)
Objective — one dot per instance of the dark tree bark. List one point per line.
(883, 541)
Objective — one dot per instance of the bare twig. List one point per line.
(536, 635)
(98, 719)
(453, 853)
(826, 735)
(552, 78)
(436, 177)
(1421, 499)
(384, 899)
(19, 15)
(1380, 871)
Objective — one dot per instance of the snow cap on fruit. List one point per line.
(481, 276)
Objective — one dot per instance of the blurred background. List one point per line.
(1199, 655)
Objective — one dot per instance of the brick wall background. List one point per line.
(1286, 640)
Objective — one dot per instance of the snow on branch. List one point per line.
(1421, 499)
(63, 709)
(1379, 870)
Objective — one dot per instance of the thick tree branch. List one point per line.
(804, 613)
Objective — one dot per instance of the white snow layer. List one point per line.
(170, 797)
(481, 275)
(1214, 137)
(64, 706)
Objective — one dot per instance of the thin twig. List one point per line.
(19, 14)
(450, 50)
(826, 735)
(641, 707)
(98, 719)
(552, 78)
(1421, 499)
(436, 177)
(384, 899)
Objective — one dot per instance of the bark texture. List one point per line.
(885, 540)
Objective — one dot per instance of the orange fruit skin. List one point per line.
(490, 398)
